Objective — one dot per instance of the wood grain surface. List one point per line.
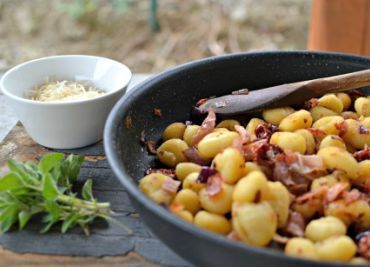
(108, 245)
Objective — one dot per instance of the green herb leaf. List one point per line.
(69, 222)
(49, 161)
(50, 190)
(23, 218)
(10, 182)
(87, 190)
(72, 166)
(46, 188)
(8, 217)
(26, 176)
(54, 211)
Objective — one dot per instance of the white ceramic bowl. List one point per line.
(70, 124)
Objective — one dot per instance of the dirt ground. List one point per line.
(189, 29)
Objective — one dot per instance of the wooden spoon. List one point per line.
(285, 94)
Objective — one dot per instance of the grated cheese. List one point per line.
(64, 91)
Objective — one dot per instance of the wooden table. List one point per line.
(106, 246)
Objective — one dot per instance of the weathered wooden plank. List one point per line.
(106, 239)
(132, 259)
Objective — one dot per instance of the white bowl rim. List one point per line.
(42, 103)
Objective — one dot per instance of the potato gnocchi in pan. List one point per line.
(294, 179)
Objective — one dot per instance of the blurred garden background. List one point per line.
(126, 30)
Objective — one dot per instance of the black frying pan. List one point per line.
(174, 92)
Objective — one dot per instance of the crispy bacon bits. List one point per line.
(295, 225)
(342, 127)
(362, 154)
(205, 174)
(157, 112)
(148, 144)
(207, 127)
(214, 185)
(313, 102)
(192, 154)
(265, 130)
(128, 122)
(170, 185)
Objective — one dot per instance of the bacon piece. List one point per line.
(313, 102)
(317, 133)
(243, 134)
(148, 144)
(307, 164)
(205, 173)
(362, 154)
(250, 150)
(348, 115)
(335, 192)
(207, 127)
(170, 185)
(243, 138)
(342, 127)
(265, 130)
(309, 196)
(214, 185)
(297, 171)
(157, 112)
(192, 154)
(295, 225)
(168, 172)
(128, 122)
(233, 236)
(353, 196)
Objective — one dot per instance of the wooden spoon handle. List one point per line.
(339, 83)
(285, 94)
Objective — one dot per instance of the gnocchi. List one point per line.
(303, 174)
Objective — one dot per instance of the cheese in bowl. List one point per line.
(64, 91)
(69, 110)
